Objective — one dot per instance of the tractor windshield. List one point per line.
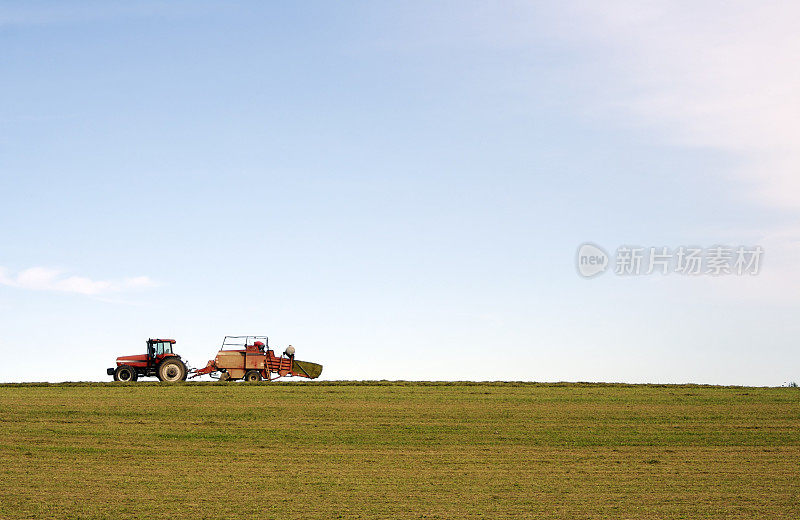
(162, 347)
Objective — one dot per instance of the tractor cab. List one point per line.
(157, 348)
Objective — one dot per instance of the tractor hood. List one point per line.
(137, 358)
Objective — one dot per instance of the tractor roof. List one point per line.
(164, 340)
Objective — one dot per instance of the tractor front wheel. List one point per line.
(171, 370)
(252, 376)
(125, 374)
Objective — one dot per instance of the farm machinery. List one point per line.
(240, 357)
(251, 359)
(158, 360)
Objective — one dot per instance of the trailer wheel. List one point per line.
(125, 373)
(252, 376)
(171, 370)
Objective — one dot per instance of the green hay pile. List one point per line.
(312, 370)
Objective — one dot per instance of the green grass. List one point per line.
(398, 450)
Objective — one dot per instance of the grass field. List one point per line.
(398, 450)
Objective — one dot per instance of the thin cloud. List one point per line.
(722, 76)
(716, 76)
(47, 279)
(711, 75)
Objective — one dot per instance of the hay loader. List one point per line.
(250, 358)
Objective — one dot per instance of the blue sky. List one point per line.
(398, 191)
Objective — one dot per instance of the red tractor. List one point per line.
(159, 361)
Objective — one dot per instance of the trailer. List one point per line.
(251, 358)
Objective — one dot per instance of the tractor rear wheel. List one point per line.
(171, 370)
(252, 376)
(125, 373)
